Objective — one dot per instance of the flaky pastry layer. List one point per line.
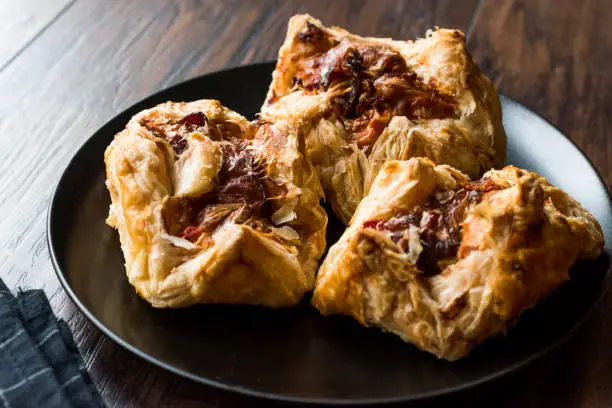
(367, 100)
(446, 263)
(213, 209)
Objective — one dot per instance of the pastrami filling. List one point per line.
(439, 224)
(243, 193)
(374, 84)
(175, 132)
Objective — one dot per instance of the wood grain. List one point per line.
(23, 21)
(97, 58)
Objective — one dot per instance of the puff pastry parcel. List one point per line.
(368, 100)
(213, 209)
(445, 262)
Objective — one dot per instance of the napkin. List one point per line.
(40, 365)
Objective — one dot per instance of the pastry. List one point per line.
(211, 208)
(445, 262)
(364, 101)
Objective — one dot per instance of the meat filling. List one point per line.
(439, 225)
(373, 84)
(243, 192)
(175, 132)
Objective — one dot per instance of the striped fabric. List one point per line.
(40, 365)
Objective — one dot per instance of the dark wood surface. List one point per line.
(69, 66)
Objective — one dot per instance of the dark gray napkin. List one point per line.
(40, 365)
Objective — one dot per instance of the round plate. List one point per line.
(296, 354)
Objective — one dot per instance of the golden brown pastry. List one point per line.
(364, 101)
(445, 263)
(213, 209)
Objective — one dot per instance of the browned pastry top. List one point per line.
(363, 101)
(213, 209)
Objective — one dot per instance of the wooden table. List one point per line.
(68, 66)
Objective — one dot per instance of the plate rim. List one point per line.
(545, 350)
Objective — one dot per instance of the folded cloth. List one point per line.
(40, 365)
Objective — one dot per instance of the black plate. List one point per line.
(296, 354)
